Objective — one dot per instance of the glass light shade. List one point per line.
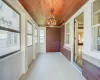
(51, 20)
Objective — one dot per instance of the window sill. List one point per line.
(3, 59)
(67, 46)
(93, 57)
(29, 46)
(96, 25)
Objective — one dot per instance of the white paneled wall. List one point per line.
(12, 67)
(88, 54)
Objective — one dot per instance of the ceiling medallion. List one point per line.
(51, 21)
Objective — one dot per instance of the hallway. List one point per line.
(46, 39)
(51, 66)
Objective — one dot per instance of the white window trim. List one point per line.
(29, 34)
(90, 54)
(67, 46)
(93, 26)
(67, 34)
(11, 30)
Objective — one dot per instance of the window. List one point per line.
(41, 36)
(29, 34)
(96, 24)
(67, 33)
(14, 14)
(1, 5)
(96, 12)
(9, 31)
(36, 35)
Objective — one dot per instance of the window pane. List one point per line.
(36, 35)
(96, 31)
(67, 33)
(29, 40)
(29, 28)
(67, 39)
(35, 39)
(96, 12)
(36, 32)
(1, 5)
(41, 36)
(96, 18)
(96, 6)
(8, 17)
(9, 42)
(29, 32)
(67, 28)
(41, 33)
(41, 39)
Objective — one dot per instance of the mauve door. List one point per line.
(53, 40)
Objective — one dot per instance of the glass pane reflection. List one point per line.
(9, 42)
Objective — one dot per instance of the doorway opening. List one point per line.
(78, 39)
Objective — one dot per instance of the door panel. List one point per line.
(53, 39)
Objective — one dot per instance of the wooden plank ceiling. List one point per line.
(63, 9)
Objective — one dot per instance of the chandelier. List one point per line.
(51, 21)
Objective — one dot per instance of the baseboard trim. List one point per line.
(83, 77)
(30, 63)
(80, 71)
(22, 76)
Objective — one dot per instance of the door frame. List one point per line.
(73, 57)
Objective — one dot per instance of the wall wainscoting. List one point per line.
(64, 51)
(90, 71)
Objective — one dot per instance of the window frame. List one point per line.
(29, 34)
(67, 33)
(12, 30)
(36, 35)
(93, 27)
(41, 36)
